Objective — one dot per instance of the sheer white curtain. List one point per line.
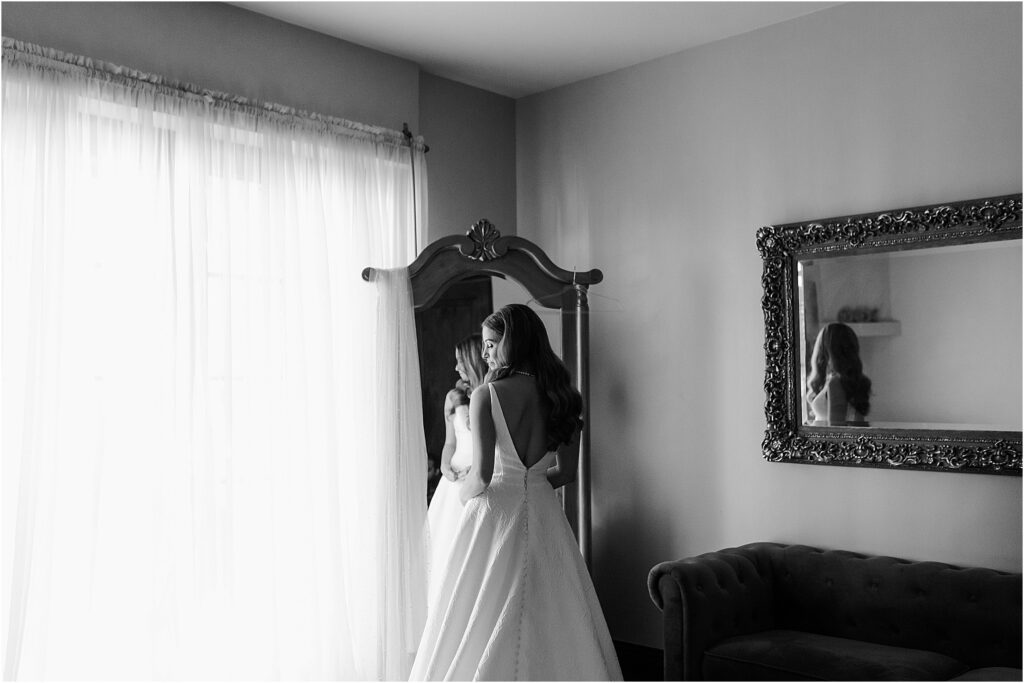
(194, 484)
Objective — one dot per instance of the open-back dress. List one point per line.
(515, 601)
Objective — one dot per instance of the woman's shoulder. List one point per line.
(482, 393)
(455, 398)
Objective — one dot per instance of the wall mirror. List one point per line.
(926, 304)
(457, 281)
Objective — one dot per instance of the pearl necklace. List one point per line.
(524, 374)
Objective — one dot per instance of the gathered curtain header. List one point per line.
(29, 55)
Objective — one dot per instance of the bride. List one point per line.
(515, 600)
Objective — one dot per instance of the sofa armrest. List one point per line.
(705, 599)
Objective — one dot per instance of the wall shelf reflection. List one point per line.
(881, 328)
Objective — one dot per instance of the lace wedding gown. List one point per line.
(515, 601)
(445, 507)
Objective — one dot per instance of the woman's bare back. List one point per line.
(521, 405)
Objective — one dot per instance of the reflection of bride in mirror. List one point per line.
(456, 456)
(838, 391)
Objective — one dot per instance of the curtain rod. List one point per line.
(51, 59)
(409, 139)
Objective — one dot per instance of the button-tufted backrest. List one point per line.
(971, 614)
(708, 598)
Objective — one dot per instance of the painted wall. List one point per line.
(471, 133)
(661, 174)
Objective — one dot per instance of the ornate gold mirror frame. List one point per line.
(787, 437)
(484, 251)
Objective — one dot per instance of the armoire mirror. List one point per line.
(484, 259)
(453, 316)
(930, 300)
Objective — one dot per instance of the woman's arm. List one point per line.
(449, 439)
(809, 397)
(461, 413)
(482, 425)
(566, 462)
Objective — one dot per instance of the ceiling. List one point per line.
(521, 48)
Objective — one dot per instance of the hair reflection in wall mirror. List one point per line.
(838, 391)
(894, 339)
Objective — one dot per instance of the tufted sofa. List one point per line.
(768, 611)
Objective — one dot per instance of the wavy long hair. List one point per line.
(524, 346)
(468, 352)
(839, 351)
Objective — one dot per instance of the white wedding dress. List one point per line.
(445, 509)
(515, 601)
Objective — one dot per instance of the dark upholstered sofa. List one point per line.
(767, 611)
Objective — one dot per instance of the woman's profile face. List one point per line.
(816, 353)
(490, 343)
(461, 368)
